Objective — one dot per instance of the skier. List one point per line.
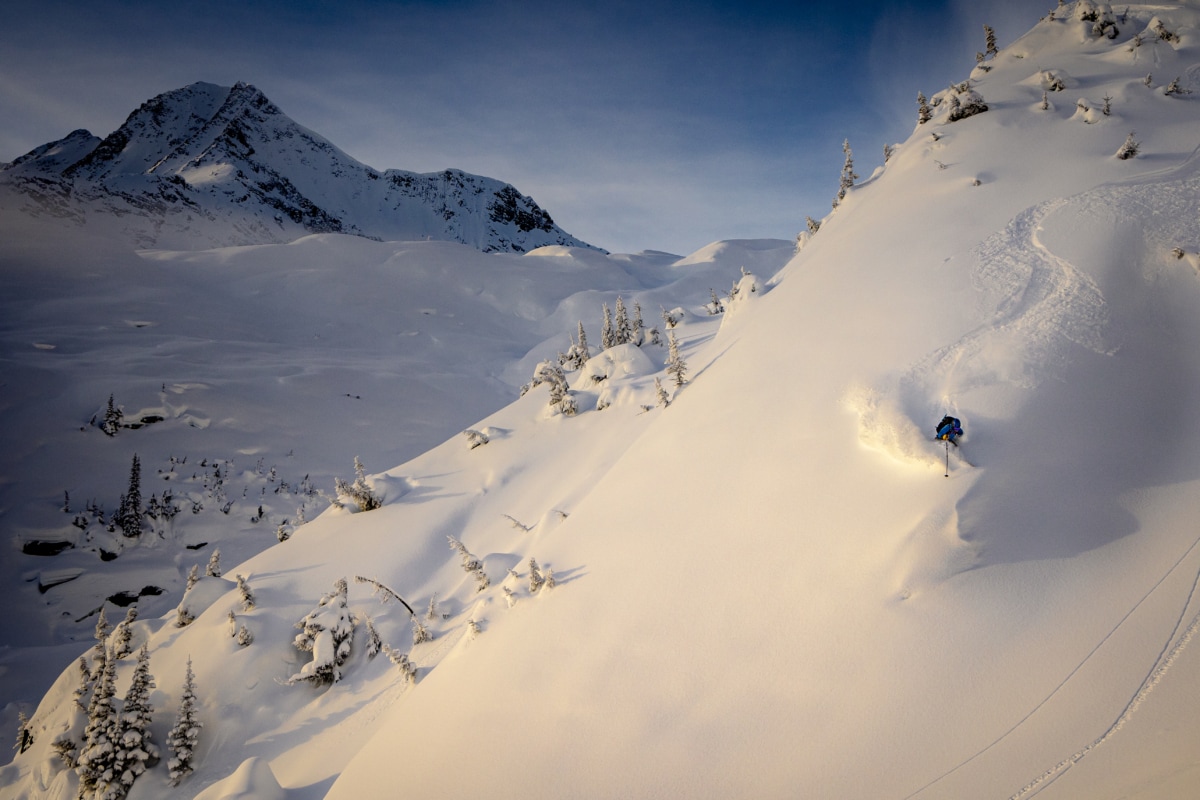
(949, 429)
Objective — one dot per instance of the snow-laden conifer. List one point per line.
(247, 596)
(24, 733)
(470, 564)
(408, 670)
(924, 112)
(608, 336)
(849, 176)
(358, 494)
(535, 576)
(185, 733)
(622, 330)
(123, 634)
(1129, 149)
(475, 438)
(135, 746)
(98, 754)
(676, 366)
(129, 514)
(213, 570)
(326, 632)
(661, 398)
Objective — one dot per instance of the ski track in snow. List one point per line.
(1181, 635)
(1035, 304)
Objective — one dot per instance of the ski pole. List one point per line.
(947, 458)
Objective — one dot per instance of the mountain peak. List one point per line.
(207, 165)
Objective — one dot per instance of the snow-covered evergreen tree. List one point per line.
(420, 633)
(964, 102)
(924, 112)
(185, 733)
(552, 375)
(849, 176)
(98, 754)
(213, 570)
(470, 564)
(1129, 149)
(112, 418)
(123, 633)
(193, 577)
(24, 733)
(990, 36)
(608, 336)
(358, 494)
(326, 632)
(247, 596)
(129, 515)
(676, 366)
(135, 748)
(661, 398)
(637, 326)
(622, 329)
(407, 669)
(374, 640)
(535, 576)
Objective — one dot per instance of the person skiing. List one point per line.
(949, 429)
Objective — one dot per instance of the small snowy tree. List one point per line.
(990, 36)
(135, 748)
(676, 366)
(129, 514)
(637, 327)
(661, 398)
(97, 756)
(552, 375)
(535, 576)
(608, 334)
(475, 438)
(326, 632)
(714, 306)
(213, 570)
(244, 592)
(622, 329)
(964, 102)
(374, 640)
(1174, 88)
(358, 494)
(24, 733)
(924, 112)
(185, 734)
(123, 634)
(470, 564)
(112, 418)
(420, 633)
(406, 667)
(1129, 149)
(849, 176)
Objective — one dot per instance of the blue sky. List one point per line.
(637, 125)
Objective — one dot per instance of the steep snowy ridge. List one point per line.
(769, 581)
(208, 166)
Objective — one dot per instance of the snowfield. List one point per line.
(768, 581)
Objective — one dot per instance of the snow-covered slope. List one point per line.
(777, 585)
(210, 165)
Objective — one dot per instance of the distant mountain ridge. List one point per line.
(208, 165)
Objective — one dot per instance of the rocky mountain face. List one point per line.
(208, 165)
